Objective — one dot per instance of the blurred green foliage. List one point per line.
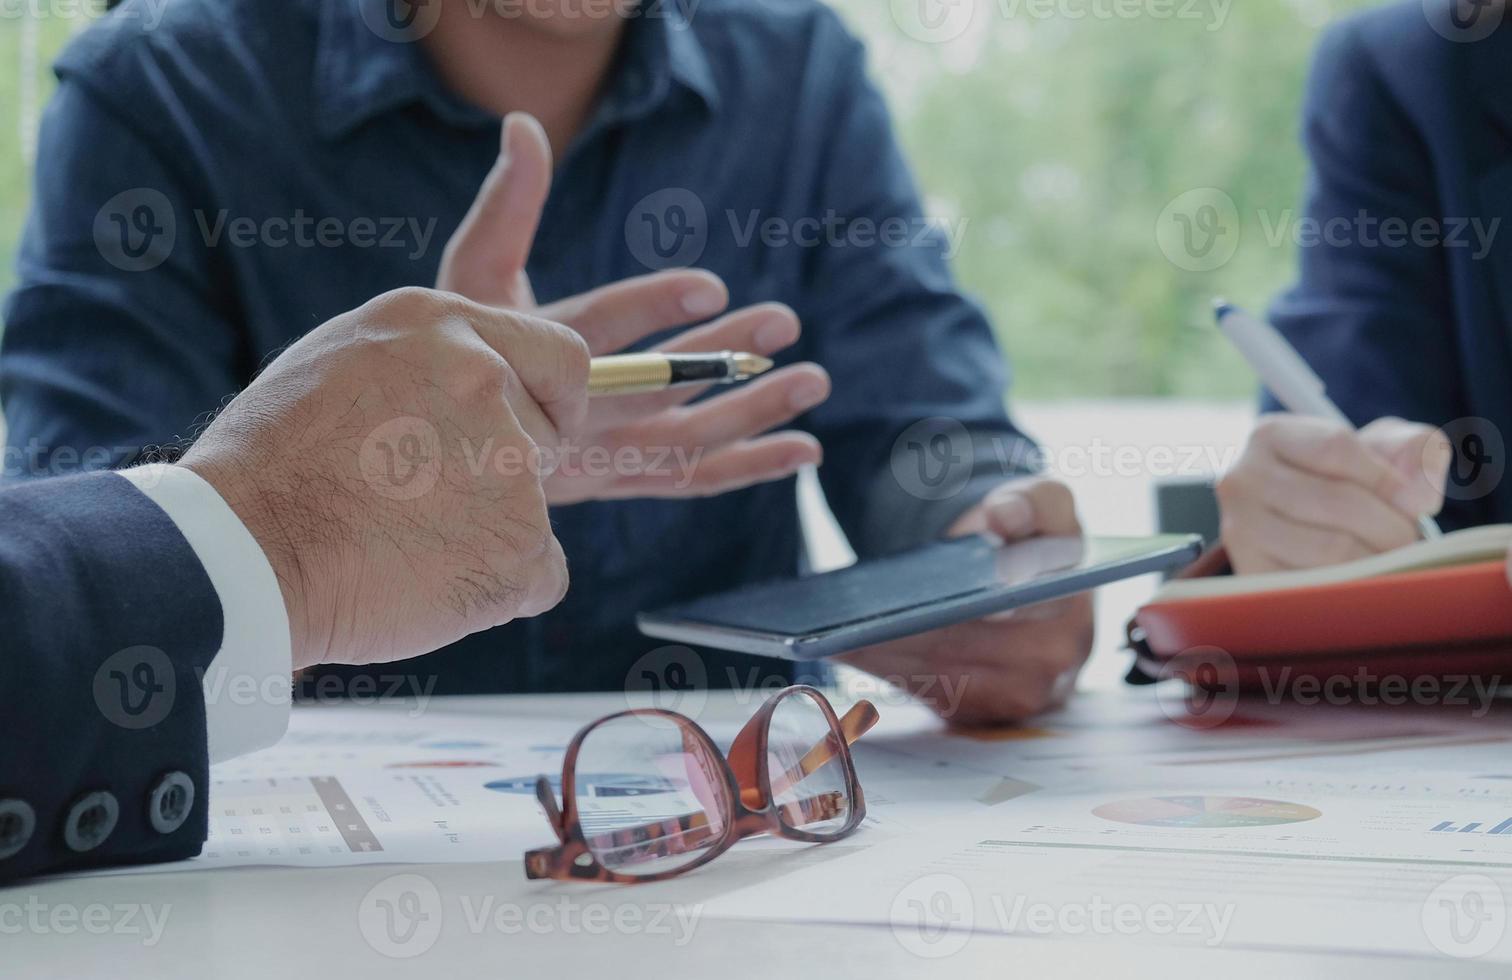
(1053, 134)
(1059, 140)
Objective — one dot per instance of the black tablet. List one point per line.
(909, 593)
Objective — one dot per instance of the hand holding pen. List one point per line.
(1309, 490)
(656, 443)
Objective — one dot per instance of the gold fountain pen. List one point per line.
(626, 374)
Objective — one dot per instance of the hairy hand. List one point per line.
(390, 464)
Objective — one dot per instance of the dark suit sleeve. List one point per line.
(109, 622)
(120, 333)
(893, 329)
(1370, 311)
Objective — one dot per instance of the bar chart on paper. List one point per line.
(294, 818)
(340, 790)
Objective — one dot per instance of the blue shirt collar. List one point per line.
(360, 75)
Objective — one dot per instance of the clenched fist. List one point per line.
(390, 464)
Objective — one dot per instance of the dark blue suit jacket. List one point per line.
(1404, 125)
(108, 622)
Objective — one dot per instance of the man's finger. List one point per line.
(1271, 541)
(536, 422)
(756, 407)
(1334, 505)
(493, 242)
(1036, 505)
(1331, 449)
(615, 316)
(735, 467)
(764, 329)
(551, 361)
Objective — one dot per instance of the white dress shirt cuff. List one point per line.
(248, 685)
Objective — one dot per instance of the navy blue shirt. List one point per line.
(213, 186)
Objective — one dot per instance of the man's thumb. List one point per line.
(493, 242)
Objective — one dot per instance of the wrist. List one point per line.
(263, 515)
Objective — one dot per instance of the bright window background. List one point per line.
(1059, 141)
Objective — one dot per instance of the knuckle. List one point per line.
(406, 303)
(778, 308)
(556, 577)
(1391, 425)
(561, 351)
(575, 356)
(547, 576)
(485, 382)
(514, 438)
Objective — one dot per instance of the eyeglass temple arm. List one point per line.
(856, 722)
(547, 799)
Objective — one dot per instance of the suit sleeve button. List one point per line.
(17, 822)
(171, 800)
(90, 821)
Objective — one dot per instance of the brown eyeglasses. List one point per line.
(646, 795)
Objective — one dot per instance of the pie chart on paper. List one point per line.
(1205, 812)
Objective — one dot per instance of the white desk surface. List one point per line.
(284, 923)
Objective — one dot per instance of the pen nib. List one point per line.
(750, 365)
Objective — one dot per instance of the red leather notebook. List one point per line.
(1435, 609)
